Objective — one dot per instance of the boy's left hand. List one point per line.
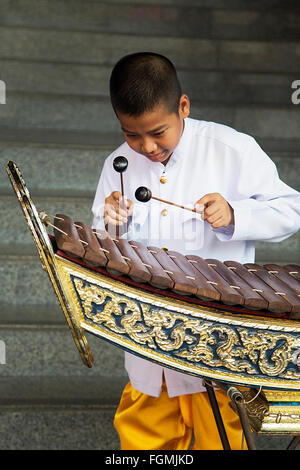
(216, 210)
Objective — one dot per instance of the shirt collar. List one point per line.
(182, 145)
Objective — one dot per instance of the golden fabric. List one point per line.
(162, 423)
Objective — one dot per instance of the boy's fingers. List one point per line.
(212, 211)
(122, 201)
(120, 204)
(126, 204)
(218, 223)
(116, 195)
(209, 211)
(208, 198)
(109, 218)
(199, 207)
(110, 211)
(117, 209)
(130, 210)
(215, 218)
(121, 212)
(206, 201)
(217, 211)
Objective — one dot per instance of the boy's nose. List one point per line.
(149, 146)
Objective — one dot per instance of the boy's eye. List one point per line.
(156, 134)
(159, 133)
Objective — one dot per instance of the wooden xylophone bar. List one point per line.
(270, 287)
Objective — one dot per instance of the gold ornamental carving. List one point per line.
(234, 348)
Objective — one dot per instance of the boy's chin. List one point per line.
(159, 157)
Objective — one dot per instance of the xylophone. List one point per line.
(222, 321)
(273, 288)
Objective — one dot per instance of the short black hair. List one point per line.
(141, 81)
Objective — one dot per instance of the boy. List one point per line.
(227, 177)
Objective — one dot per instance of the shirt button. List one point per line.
(163, 179)
(164, 212)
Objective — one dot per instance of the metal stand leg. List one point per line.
(217, 414)
(237, 397)
(294, 442)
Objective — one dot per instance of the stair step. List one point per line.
(106, 48)
(103, 17)
(75, 139)
(238, 88)
(251, 25)
(57, 428)
(284, 252)
(164, 19)
(45, 351)
(63, 112)
(59, 170)
(66, 172)
(31, 314)
(228, 4)
(93, 80)
(25, 284)
(79, 114)
(14, 229)
(99, 48)
(76, 428)
(101, 391)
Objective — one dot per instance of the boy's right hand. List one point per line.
(117, 209)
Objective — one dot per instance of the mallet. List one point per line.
(144, 194)
(120, 165)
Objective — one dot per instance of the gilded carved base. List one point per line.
(273, 412)
(201, 341)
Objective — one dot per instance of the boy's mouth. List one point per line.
(157, 156)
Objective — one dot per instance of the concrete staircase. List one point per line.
(237, 60)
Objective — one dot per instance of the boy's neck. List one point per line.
(166, 161)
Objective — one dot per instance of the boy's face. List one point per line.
(155, 134)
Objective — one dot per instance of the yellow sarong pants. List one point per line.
(162, 423)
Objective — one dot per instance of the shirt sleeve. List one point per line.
(266, 208)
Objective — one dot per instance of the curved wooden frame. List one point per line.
(48, 259)
(200, 340)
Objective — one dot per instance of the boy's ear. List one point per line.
(184, 106)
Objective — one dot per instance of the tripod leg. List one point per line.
(217, 414)
(245, 424)
(237, 397)
(294, 442)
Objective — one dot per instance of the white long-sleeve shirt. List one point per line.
(210, 158)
